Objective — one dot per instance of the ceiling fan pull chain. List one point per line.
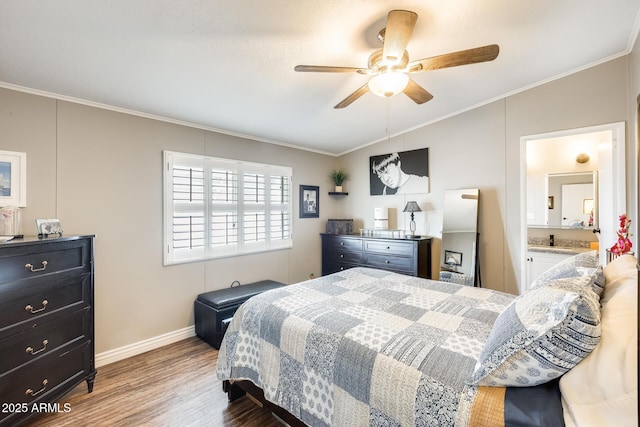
(388, 120)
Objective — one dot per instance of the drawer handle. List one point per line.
(341, 255)
(388, 247)
(30, 309)
(386, 261)
(33, 270)
(30, 392)
(33, 353)
(341, 243)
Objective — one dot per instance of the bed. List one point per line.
(373, 347)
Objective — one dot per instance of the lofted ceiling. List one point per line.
(229, 65)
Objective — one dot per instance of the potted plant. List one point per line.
(338, 176)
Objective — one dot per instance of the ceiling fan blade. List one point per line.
(397, 33)
(417, 93)
(454, 59)
(329, 69)
(355, 95)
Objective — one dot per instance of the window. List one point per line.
(218, 207)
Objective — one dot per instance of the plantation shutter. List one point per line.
(279, 215)
(219, 207)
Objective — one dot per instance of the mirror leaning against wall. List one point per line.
(459, 255)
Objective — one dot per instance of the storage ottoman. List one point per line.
(214, 310)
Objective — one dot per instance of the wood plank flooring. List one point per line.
(175, 385)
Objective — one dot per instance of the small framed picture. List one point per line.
(13, 179)
(48, 226)
(309, 201)
(452, 258)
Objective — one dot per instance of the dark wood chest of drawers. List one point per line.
(46, 322)
(407, 256)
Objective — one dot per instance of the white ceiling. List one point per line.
(228, 65)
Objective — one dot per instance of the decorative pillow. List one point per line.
(602, 390)
(582, 264)
(541, 335)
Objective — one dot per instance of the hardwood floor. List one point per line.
(172, 386)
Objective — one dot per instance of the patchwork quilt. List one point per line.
(365, 347)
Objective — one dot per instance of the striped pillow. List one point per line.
(541, 334)
(582, 264)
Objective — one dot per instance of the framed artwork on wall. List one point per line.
(452, 258)
(404, 172)
(309, 201)
(13, 179)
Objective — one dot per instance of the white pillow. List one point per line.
(602, 390)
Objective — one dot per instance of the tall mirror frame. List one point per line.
(459, 254)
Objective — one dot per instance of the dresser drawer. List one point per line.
(407, 256)
(341, 266)
(389, 247)
(22, 262)
(344, 243)
(345, 256)
(30, 301)
(36, 381)
(37, 342)
(402, 264)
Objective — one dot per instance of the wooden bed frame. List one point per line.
(237, 389)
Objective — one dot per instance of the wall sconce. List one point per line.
(412, 207)
(582, 158)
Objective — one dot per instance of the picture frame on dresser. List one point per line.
(309, 201)
(13, 179)
(48, 227)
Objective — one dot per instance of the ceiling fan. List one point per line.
(390, 65)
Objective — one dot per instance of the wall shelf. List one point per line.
(338, 193)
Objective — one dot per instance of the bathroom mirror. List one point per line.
(459, 254)
(564, 152)
(562, 200)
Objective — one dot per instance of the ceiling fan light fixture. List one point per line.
(389, 83)
(389, 66)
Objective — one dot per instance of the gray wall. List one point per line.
(633, 146)
(100, 172)
(481, 149)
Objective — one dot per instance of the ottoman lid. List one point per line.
(222, 298)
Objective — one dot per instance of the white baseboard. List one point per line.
(140, 347)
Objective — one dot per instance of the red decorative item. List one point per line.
(623, 245)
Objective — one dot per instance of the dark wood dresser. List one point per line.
(406, 256)
(46, 323)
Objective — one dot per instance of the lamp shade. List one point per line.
(412, 207)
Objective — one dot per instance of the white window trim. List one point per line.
(207, 251)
